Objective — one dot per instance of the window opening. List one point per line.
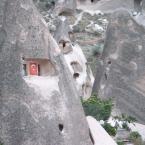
(60, 126)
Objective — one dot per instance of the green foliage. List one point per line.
(99, 109)
(125, 126)
(120, 143)
(111, 130)
(128, 119)
(136, 139)
(1, 143)
(134, 135)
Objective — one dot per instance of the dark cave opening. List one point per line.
(76, 75)
(109, 62)
(60, 126)
(63, 44)
(106, 76)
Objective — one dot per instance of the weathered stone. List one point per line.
(75, 59)
(35, 110)
(65, 7)
(122, 75)
(45, 4)
(143, 5)
(106, 6)
(63, 30)
(137, 5)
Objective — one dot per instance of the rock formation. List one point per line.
(122, 71)
(74, 58)
(39, 103)
(61, 26)
(106, 6)
(44, 73)
(65, 7)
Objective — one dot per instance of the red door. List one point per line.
(33, 68)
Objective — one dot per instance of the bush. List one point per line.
(134, 135)
(99, 109)
(111, 130)
(136, 138)
(128, 119)
(125, 126)
(120, 143)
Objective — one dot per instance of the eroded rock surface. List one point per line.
(122, 71)
(74, 58)
(65, 7)
(42, 109)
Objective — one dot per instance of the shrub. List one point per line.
(134, 135)
(136, 138)
(125, 126)
(111, 130)
(120, 143)
(128, 119)
(99, 109)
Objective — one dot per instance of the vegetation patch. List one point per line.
(120, 143)
(99, 109)
(110, 129)
(136, 138)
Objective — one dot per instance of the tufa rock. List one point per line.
(65, 7)
(35, 110)
(122, 73)
(74, 58)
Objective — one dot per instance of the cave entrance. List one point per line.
(76, 75)
(60, 126)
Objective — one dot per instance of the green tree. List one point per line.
(99, 109)
(120, 143)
